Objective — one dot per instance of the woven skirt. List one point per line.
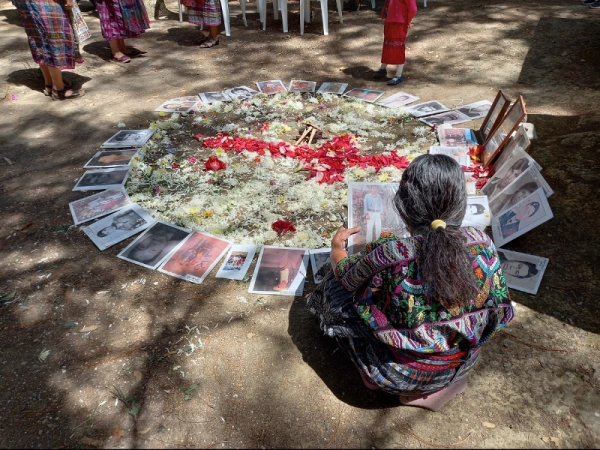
(50, 34)
(333, 305)
(394, 43)
(122, 19)
(209, 14)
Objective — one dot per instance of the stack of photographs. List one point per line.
(179, 104)
(522, 272)
(280, 271)
(128, 138)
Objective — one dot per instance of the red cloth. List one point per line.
(394, 38)
(193, 3)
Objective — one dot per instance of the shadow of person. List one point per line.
(359, 72)
(11, 16)
(185, 36)
(34, 80)
(329, 362)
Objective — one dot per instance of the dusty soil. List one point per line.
(262, 375)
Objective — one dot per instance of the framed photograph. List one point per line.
(522, 272)
(478, 212)
(471, 182)
(459, 154)
(475, 110)
(214, 97)
(177, 106)
(514, 166)
(449, 117)
(271, 86)
(331, 87)
(240, 93)
(397, 100)
(518, 141)
(99, 204)
(98, 180)
(366, 95)
(302, 86)
(494, 116)
(117, 227)
(525, 184)
(530, 212)
(371, 207)
(195, 257)
(111, 158)
(426, 108)
(318, 258)
(280, 271)
(500, 136)
(456, 137)
(128, 138)
(237, 261)
(153, 246)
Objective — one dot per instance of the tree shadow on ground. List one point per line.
(34, 80)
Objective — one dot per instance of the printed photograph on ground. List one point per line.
(522, 272)
(426, 108)
(318, 258)
(128, 138)
(117, 227)
(331, 87)
(237, 261)
(280, 271)
(271, 86)
(111, 158)
(302, 86)
(478, 212)
(397, 100)
(195, 257)
(475, 110)
(154, 245)
(97, 180)
(98, 205)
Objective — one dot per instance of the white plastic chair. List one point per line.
(305, 14)
(278, 5)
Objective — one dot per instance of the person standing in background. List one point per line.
(53, 43)
(398, 15)
(205, 12)
(120, 20)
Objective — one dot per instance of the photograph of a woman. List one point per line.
(506, 175)
(119, 226)
(128, 138)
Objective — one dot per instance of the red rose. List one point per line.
(282, 227)
(214, 164)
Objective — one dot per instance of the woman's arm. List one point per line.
(338, 246)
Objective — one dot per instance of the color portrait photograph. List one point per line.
(302, 86)
(195, 257)
(98, 180)
(371, 207)
(117, 227)
(331, 87)
(99, 204)
(270, 87)
(280, 271)
(319, 258)
(237, 262)
(456, 137)
(111, 158)
(154, 245)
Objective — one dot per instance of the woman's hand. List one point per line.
(340, 239)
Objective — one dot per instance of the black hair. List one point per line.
(536, 206)
(433, 188)
(532, 270)
(480, 208)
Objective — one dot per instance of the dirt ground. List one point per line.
(212, 366)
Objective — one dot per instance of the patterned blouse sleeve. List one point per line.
(355, 270)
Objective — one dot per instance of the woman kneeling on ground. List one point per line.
(413, 313)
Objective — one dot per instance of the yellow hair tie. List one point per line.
(438, 223)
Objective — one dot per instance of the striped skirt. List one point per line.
(394, 43)
(208, 14)
(122, 19)
(392, 371)
(50, 34)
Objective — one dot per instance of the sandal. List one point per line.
(379, 73)
(121, 59)
(61, 95)
(204, 39)
(396, 80)
(134, 53)
(209, 43)
(48, 88)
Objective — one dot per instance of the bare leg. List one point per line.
(59, 90)
(115, 48)
(213, 33)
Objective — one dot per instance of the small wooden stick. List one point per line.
(312, 135)
(306, 131)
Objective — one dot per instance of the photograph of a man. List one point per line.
(373, 209)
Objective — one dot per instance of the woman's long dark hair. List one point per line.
(432, 188)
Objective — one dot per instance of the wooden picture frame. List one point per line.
(502, 133)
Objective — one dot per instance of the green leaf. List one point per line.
(70, 324)
(61, 228)
(189, 391)
(134, 410)
(8, 297)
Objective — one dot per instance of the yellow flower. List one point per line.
(384, 177)
(207, 214)
(280, 199)
(194, 211)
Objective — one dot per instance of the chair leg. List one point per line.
(302, 13)
(276, 9)
(373, 4)
(226, 19)
(339, 8)
(180, 10)
(284, 14)
(425, 3)
(325, 17)
(262, 11)
(307, 11)
(243, 7)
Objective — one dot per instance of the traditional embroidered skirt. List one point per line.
(50, 34)
(393, 372)
(394, 39)
(122, 19)
(208, 14)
